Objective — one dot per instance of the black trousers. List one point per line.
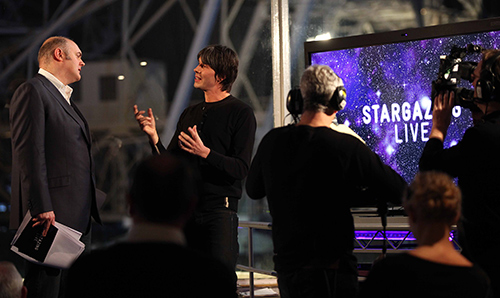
(215, 233)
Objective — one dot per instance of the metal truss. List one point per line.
(116, 28)
(369, 235)
(373, 240)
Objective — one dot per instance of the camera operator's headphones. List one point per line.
(295, 102)
(488, 85)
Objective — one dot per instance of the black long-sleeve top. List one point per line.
(475, 160)
(311, 177)
(416, 277)
(227, 127)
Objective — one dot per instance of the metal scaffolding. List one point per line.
(267, 35)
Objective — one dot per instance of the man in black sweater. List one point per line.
(311, 174)
(217, 136)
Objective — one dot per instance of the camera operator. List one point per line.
(475, 160)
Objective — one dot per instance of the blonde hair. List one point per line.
(433, 197)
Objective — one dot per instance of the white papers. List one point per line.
(63, 250)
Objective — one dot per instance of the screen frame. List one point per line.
(397, 36)
(390, 38)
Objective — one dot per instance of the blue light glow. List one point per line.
(390, 235)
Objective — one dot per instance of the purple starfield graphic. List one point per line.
(388, 94)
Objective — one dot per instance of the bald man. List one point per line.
(52, 166)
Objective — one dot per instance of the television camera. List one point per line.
(452, 69)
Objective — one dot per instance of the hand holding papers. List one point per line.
(60, 248)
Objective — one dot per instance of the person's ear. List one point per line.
(58, 54)
(24, 292)
(219, 79)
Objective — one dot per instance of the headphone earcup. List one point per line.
(488, 85)
(294, 102)
(337, 102)
(484, 90)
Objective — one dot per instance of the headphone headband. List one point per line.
(295, 102)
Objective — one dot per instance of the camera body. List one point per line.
(452, 69)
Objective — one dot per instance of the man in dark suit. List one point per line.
(154, 261)
(52, 166)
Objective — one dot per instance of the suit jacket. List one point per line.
(52, 166)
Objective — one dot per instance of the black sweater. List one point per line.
(311, 177)
(227, 127)
(404, 275)
(475, 160)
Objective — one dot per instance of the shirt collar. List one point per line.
(65, 90)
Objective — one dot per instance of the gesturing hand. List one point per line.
(193, 144)
(147, 124)
(441, 114)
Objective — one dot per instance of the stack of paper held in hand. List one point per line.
(60, 248)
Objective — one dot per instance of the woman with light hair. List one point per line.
(435, 268)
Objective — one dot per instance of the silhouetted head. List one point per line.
(164, 190)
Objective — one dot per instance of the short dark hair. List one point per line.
(223, 61)
(491, 60)
(50, 44)
(164, 188)
(489, 54)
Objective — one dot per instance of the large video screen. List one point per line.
(388, 78)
